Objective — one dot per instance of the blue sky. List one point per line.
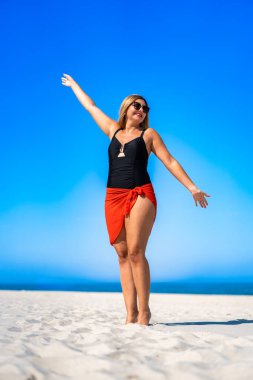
(192, 61)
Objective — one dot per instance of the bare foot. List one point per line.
(132, 318)
(144, 317)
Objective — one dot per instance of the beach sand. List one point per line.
(82, 335)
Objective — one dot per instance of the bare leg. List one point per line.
(138, 228)
(126, 277)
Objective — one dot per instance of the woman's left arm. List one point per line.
(160, 150)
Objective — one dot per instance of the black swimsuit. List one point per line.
(128, 171)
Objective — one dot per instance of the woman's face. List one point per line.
(134, 114)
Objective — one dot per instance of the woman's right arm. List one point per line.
(106, 124)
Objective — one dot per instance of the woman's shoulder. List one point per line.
(150, 132)
(114, 127)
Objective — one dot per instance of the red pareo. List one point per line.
(118, 204)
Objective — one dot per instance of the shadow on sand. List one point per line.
(234, 322)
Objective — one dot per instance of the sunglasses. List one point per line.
(138, 106)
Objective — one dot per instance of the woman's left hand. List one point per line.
(199, 196)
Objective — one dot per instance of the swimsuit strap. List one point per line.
(116, 132)
(142, 133)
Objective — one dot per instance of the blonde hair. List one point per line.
(124, 107)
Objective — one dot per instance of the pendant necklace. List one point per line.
(121, 153)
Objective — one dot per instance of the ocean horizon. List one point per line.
(216, 288)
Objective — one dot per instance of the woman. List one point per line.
(130, 202)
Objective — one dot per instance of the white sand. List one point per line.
(72, 335)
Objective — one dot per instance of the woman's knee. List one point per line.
(122, 251)
(136, 252)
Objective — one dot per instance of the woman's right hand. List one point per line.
(67, 80)
(107, 124)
